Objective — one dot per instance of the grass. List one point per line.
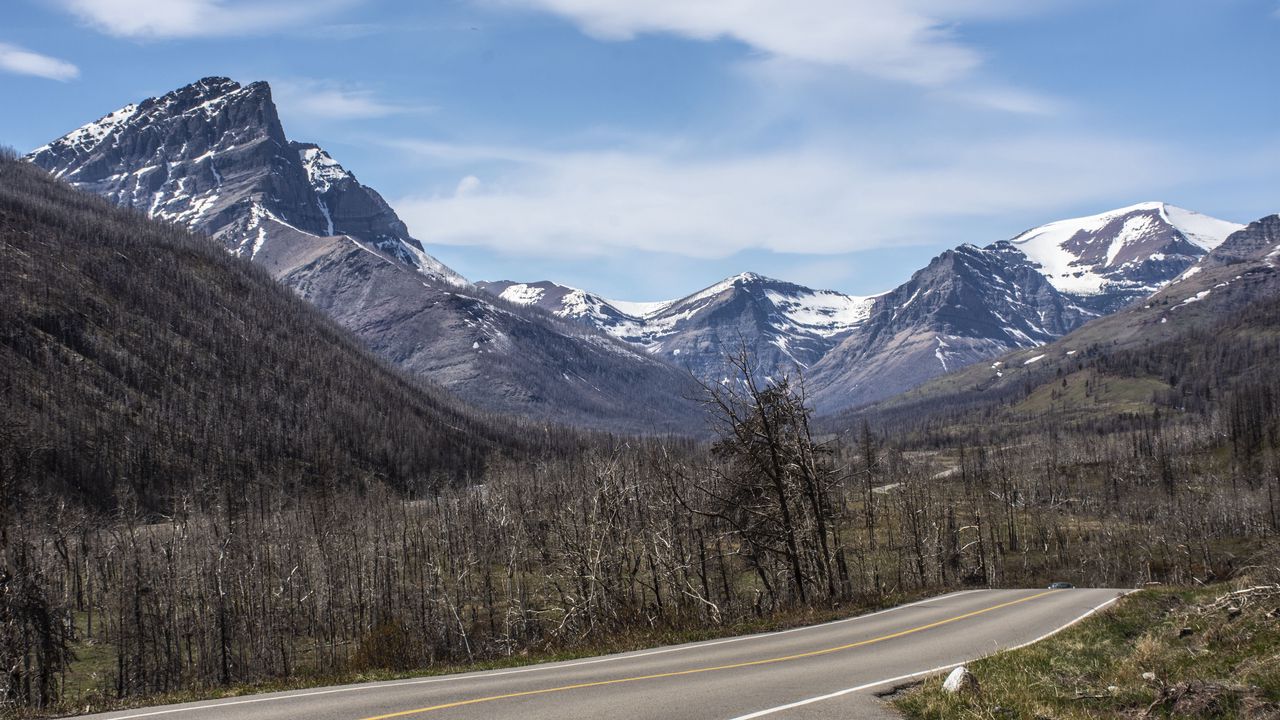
(1160, 653)
(1087, 391)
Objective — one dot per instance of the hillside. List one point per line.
(142, 364)
(1202, 653)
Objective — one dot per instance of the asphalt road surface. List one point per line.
(822, 671)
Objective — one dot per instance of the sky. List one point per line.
(643, 150)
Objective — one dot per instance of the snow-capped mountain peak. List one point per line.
(1112, 258)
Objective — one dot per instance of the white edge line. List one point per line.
(910, 676)
(532, 668)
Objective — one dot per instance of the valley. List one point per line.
(591, 358)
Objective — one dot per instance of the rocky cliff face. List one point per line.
(1258, 241)
(214, 157)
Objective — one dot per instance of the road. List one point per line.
(822, 671)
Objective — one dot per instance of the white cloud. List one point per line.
(467, 186)
(14, 59)
(154, 19)
(1010, 100)
(822, 198)
(908, 40)
(307, 98)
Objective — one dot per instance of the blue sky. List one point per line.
(646, 149)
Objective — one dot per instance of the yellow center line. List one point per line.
(715, 668)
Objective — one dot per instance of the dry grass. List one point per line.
(1157, 654)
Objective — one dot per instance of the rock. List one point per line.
(961, 681)
(1149, 676)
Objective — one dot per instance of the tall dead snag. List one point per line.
(772, 484)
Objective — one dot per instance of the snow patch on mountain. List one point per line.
(824, 312)
(640, 310)
(522, 294)
(1206, 232)
(322, 169)
(87, 137)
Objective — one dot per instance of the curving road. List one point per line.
(822, 671)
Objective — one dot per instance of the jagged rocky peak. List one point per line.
(203, 115)
(988, 293)
(213, 156)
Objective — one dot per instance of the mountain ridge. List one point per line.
(980, 302)
(213, 156)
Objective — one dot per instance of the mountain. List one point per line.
(967, 305)
(141, 365)
(972, 304)
(213, 157)
(787, 326)
(565, 302)
(1209, 330)
(1107, 261)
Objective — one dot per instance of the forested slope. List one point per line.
(141, 363)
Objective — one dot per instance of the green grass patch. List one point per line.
(1088, 391)
(1160, 653)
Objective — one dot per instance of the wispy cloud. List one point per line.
(150, 19)
(19, 61)
(334, 101)
(907, 40)
(825, 197)
(1010, 100)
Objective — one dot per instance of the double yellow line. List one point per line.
(715, 668)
